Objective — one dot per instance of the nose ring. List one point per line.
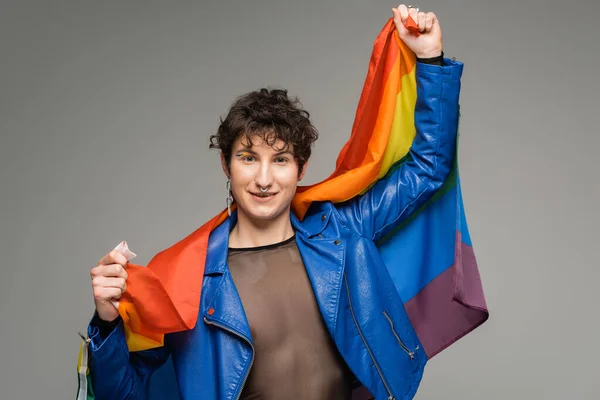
(263, 190)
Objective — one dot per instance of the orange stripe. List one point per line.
(343, 185)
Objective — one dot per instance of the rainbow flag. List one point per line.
(430, 257)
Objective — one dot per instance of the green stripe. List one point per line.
(90, 395)
(90, 391)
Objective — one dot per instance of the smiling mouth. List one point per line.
(263, 194)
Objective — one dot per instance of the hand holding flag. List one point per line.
(427, 42)
(109, 281)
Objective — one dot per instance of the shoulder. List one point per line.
(319, 216)
(315, 219)
(317, 209)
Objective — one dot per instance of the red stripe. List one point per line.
(353, 152)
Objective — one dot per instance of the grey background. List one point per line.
(105, 112)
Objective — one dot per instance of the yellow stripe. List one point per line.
(402, 131)
(143, 339)
(403, 127)
(80, 357)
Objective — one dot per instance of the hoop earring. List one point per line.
(229, 197)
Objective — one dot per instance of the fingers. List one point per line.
(429, 21)
(425, 21)
(114, 257)
(401, 20)
(421, 18)
(108, 288)
(403, 11)
(110, 282)
(111, 270)
(414, 14)
(106, 294)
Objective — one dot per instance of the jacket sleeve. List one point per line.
(395, 197)
(117, 373)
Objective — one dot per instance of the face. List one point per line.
(273, 168)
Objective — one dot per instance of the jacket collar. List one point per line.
(313, 224)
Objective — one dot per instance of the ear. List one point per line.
(224, 166)
(303, 171)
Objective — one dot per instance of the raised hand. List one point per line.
(428, 43)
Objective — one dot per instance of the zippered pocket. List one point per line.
(375, 363)
(411, 354)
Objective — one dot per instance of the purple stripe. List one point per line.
(451, 305)
(468, 289)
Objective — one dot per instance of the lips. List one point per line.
(262, 198)
(263, 195)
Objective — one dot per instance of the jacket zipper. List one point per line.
(389, 390)
(247, 341)
(411, 354)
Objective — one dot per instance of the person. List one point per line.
(294, 309)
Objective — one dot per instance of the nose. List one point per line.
(264, 175)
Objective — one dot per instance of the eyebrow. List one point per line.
(248, 150)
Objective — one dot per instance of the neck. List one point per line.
(253, 233)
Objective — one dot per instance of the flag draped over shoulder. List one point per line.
(430, 257)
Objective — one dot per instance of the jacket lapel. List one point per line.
(324, 260)
(225, 309)
(222, 305)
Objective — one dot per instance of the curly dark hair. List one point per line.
(271, 114)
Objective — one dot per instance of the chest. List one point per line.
(275, 292)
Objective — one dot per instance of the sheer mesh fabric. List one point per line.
(295, 356)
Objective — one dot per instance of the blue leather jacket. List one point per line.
(356, 296)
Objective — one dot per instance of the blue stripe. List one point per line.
(413, 263)
(463, 228)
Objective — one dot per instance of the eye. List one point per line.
(281, 160)
(246, 157)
